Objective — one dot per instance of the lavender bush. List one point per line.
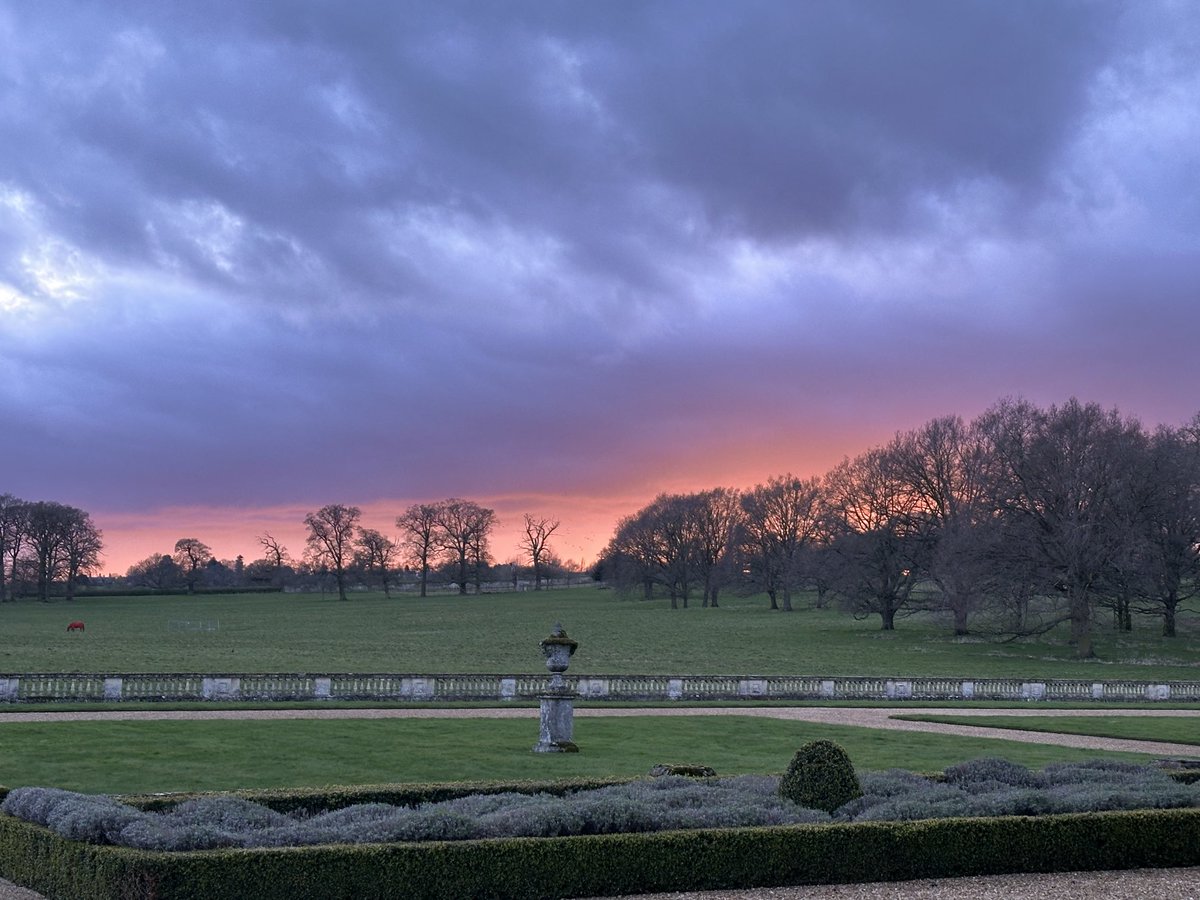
(986, 787)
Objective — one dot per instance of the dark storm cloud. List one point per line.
(275, 252)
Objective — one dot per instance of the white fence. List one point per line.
(456, 688)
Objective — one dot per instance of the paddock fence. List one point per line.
(66, 687)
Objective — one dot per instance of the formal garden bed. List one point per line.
(577, 839)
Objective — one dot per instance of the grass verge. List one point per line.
(153, 756)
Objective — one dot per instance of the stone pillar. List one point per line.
(557, 721)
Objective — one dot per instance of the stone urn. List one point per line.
(558, 649)
(557, 720)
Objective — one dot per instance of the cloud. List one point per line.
(281, 253)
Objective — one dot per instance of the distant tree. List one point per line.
(14, 517)
(330, 542)
(158, 572)
(944, 467)
(218, 573)
(717, 519)
(782, 518)
(878, 537)
(274, 552)
(658, 545)
(465, 528)
(1168, 549)
(421, 536)
(635, 556)
(191, 555)
(535, 543)
(377, 555)
(82, 545)
(276, 565)
(1062, 486)
(59, 537)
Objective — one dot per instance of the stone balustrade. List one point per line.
(20, 688)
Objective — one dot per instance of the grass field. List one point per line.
(223, 755)
(1160, 728)
(500, 633)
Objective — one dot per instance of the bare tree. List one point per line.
(717, 515)
(635, 556)
(46, 532)
(274, 552)
(1062, 479)
(82, 544)
(1168, 552)
(782, 518)
(465, 528)
(377, 553)
(944, 466)
(330, 541)
(44, 536)
(421, 538)
(191, 555)
(659, 545)
(536, 543)
(14, 518)
(276, 564)
(879, 536)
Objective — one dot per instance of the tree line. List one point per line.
(44, 544)
(1025, 518)
(444, 542)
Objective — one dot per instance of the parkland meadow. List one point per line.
(499, 633)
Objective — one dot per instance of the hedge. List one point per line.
(547, 868)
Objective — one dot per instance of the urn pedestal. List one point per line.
(557, 721)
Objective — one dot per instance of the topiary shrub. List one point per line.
(820, 776)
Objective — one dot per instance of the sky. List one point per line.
(558, 257)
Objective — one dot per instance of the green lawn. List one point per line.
(156, 756)
(499, 633)
(1137, 728)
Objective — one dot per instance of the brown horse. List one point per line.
(75, 626)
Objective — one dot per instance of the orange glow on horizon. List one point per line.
(588, 517)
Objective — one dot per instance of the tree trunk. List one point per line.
(1081, 625)
(1169, 619)
(960, 618)
(787, 599)
(888, 615)
(771, 594)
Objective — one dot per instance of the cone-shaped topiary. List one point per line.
(820, 776)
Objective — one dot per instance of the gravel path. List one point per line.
(1138, 884)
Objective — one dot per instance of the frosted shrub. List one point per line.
(97, 819)
(983, 788)
(992, 770)
(225, 814)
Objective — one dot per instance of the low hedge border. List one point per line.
(545, 868)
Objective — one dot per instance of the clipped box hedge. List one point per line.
(608, 864)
